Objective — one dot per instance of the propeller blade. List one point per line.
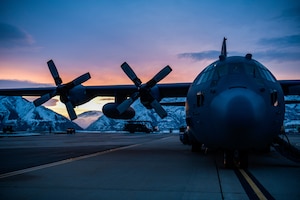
(44, 98)
(126, 103)
(71, 111)
(54, 72)
(130, 73)
(81, 79)
(159, 76)
(158, 109)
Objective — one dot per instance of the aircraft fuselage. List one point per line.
(235, 103)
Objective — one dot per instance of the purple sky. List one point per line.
(99, 35)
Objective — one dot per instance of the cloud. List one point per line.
(6, 84)
(106, 99)
(285, 41)
(12, 37)
(268, 55)
(204, 55)
(51, 102)
(291, 13)
(280, 49)
(21, 84)
(285, 48)
(279, 56)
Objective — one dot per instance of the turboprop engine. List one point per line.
(110, 110)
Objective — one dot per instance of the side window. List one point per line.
(200, 99)
(274, 98)
(208, 75)
(200, 78)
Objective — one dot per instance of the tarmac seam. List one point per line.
(219, 180)
(69, 160)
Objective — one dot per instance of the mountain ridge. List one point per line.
(25, 116)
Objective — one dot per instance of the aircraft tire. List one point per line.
(229, 159)
(196, 147)
(243, 159)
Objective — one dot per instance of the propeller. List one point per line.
(144, 90)
(62, 89)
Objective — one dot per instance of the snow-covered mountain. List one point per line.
(176, 117)
(174, 120)
(23, 115)
(292, 115)
(85, 119)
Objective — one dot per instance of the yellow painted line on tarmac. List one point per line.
(69, 160)
(257, 191)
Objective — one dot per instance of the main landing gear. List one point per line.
(235, 158)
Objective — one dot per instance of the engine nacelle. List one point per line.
(77, 96)
(148, 96)
(110, 110)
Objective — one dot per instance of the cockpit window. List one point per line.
(220, 69)
(257, 70)
(237, 68)
(251, 69)
(265, 73)
(207, 74)
(232, 68)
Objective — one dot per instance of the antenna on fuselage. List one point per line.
(223, 50)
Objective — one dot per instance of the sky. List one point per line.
(97, 36)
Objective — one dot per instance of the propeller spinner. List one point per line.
(144, 90)
(62, 89)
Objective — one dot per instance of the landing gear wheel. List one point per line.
(243, 159)
(229, 159)
(196, 147)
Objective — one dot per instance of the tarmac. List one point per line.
(136, 166)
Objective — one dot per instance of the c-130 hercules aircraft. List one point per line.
(235, 104)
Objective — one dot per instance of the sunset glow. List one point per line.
(95, 104)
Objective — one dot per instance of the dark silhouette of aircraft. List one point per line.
(234, 104)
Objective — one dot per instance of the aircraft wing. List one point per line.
(165, 90)
(290, 87)
(26, 91)
(79, 94)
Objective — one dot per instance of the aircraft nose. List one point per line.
(238, 111)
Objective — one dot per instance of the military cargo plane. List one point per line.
(235, 104)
